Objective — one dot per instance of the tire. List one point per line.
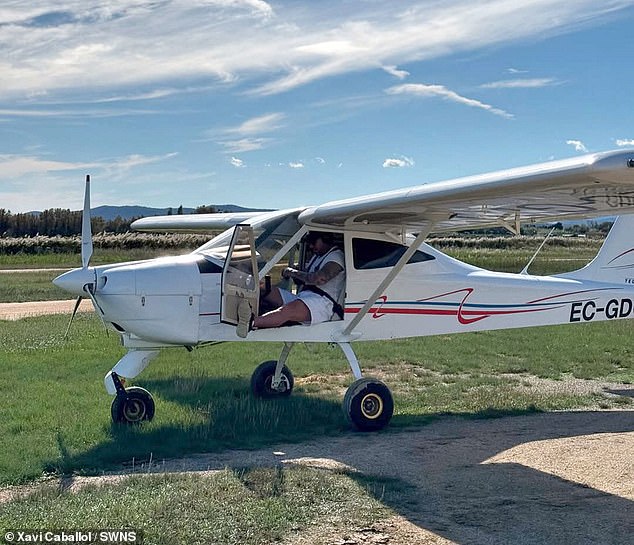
(262, 379)
(133, 407)
(368, 404)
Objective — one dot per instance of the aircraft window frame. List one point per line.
(268, 239)
(386, 255)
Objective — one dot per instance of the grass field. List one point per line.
(54, 417)
(55, 411)
(18, 287)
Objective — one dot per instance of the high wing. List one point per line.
(193, 223)
(593, 185)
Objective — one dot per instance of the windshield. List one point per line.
(271, 230)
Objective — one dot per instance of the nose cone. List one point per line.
(75, 280)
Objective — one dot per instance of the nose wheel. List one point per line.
(264, 382)
(131, 405)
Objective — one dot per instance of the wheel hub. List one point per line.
(372, 406)
(134, 410)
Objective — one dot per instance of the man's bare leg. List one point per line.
(295, 311)
(274, 297)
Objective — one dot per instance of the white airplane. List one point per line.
(396, 285)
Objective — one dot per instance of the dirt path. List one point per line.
(548, 478)
(539, 479)
(13, 271)
(17, 311)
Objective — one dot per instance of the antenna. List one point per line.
(525, 269)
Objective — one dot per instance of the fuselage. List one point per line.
(178, 300)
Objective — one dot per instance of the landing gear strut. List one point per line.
(368, 403)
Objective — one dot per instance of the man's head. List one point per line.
(319, 242)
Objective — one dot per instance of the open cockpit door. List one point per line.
(240, 274)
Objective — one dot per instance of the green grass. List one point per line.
(550, 260)
(55, 411)
(18, 287)
(32, 286)
(69, 260)
(248, 507)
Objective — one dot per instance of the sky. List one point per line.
(281, 104)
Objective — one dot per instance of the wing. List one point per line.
(589, 186)
(192, 223)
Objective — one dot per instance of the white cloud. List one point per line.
(72, 113)
(578, 145)
(297, 164)
(520, 83)
(259, 125)
(238, 163)
(398, 162)
(137, 160)
(426, 91)
(245, 144)
(394, 71)
(87, 45)
(20, 165)
(625, 143)
(249, 129)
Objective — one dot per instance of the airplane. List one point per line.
(396, 284)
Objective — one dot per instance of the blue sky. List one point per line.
(278, 104)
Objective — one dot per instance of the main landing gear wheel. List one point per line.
(368, 404)
(132, 406)
(262, 381)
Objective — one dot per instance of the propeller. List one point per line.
(86, 229)
(84, 278)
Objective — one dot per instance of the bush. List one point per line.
(126, 241)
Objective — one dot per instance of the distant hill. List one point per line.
(128, 212)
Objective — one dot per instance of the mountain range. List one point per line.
(109, 213)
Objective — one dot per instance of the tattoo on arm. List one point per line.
(323, 275)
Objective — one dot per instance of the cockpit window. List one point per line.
(380, 254)
(271, 233)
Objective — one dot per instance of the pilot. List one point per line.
(321, 286)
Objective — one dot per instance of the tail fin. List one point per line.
(615, 261)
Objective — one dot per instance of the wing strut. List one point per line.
(388, 279)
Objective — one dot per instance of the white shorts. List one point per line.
(320, 307)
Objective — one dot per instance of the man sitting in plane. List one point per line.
(321, 286)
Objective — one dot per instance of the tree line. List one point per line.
(55, 221)
(64, 222)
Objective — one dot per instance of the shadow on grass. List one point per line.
(213, 415)
(220, 414)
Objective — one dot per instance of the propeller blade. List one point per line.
(86, 231)
(72, 316)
